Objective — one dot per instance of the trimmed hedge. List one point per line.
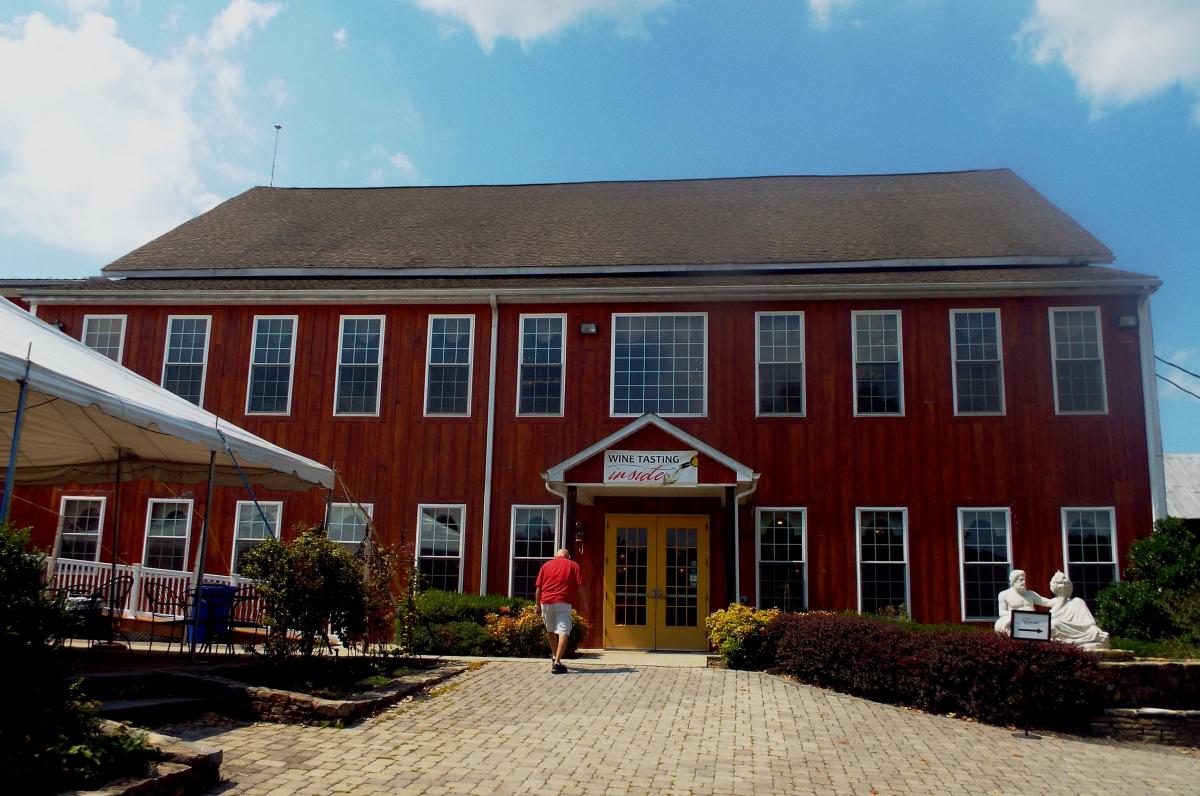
(974, 674)
(435, 607)
(449, 623)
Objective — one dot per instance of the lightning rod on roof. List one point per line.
(278, 127)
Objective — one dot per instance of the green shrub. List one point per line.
(523, 634)
(1160, 596)
(435, 607)
(1134, 609)
(452, 638)
(738, 633)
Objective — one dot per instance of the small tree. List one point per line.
(305, 585)
(381, 565)
(1160, 596)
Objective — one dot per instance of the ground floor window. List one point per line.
(439, 546)
(883, 560)
(348, 524)
(250, 530)
(82, 519)
(781, 559)
(168, 529)
(984, 553)
(534, 531)
(1090, 544)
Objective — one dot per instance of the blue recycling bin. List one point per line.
(213, 615)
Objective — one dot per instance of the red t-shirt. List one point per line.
(559, 580)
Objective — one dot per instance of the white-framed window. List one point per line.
(348, 524)
(272, 356)
(249, 529)
(878, 363)
(659, 364)
(978, 361)
(1090, 550)
(985, 559)
(542, 363)
(882, 560)
(105, 334)
(168, 534)
(534, 540)
(440, 545)
(360, 358)
(779, 359)
(1077, 348)
(448, 365)
(80, 526)
(780, 553)
(185, 362)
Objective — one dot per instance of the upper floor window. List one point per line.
(448, 365)
(360, 356)
(440, 545)
(348, 524)
(168, 530)
(1090, 544)
(1078, 360)
(269, 387)
(978, 370)
(883, 561)
(105, 334)
(253, 524)
(186, 358)
(543, 354)
(781, 561)
(780, 359)
(878, 360)
(82, 520)
(534, 529)
(659, 364)
(985, 558)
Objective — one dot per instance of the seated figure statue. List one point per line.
(1016, 597)
(1070, 619)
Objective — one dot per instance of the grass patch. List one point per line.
(1170, 648)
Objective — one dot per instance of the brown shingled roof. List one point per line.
(992, 215)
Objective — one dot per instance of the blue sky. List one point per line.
(121, 119)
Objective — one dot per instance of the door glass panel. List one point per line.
(682, 574)
(632, 570)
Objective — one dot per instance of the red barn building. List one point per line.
(873, 392)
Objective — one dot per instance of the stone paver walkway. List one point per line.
(510, 728)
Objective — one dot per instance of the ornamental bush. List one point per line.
(450, 623)
(1160, 595)
(523, 635)
(739, 634)
(979, 675)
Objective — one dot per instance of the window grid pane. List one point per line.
(271, 365)
(884, 570)
(183, 373)
(985, 561)
(448, 385)
(358, 366)
(81, 520)
(658, 364)
(166, 535)
(541, 366)
(781, 559)
(249, 530)
(1091, 561)
(1078, 369)
(104, 335)
(439, 547)
(977, 362)
(781, 364)
(877, 363)
(347, 525)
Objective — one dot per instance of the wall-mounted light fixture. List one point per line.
(578, 531)
(56, 323)
(1127, 321)
(588, 327)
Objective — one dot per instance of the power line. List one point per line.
(1179, 386)
(1177, 367)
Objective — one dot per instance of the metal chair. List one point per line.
(100, 614)
(166, 602)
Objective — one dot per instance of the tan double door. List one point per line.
(655, 581)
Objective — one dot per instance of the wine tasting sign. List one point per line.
(651, 468)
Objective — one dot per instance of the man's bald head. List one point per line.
(562, 552)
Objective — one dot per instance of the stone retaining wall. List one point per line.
(1153, 683)
(182, 768)
(1150, 725)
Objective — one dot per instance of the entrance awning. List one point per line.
(589, 480)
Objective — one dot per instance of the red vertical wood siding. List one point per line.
(929, 460)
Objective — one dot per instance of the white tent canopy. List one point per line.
(81, 408)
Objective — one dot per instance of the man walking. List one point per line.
(558, 581)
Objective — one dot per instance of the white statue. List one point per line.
(1014, 598)
(1070, 619)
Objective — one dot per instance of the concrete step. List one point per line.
(152, 711)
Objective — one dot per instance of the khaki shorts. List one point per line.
(557, 618)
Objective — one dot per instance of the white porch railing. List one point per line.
(87, 576)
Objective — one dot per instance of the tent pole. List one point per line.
(116, 537)
(11, 474)
(198, 577)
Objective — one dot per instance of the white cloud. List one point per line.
(278, 90)
(527, 20)
(1188, 359)
(821, 11)
(403, 164)
(235, 23)
(340, 38)
(101, 144)
(1117, 51)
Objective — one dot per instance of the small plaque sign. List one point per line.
(1030, 626)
